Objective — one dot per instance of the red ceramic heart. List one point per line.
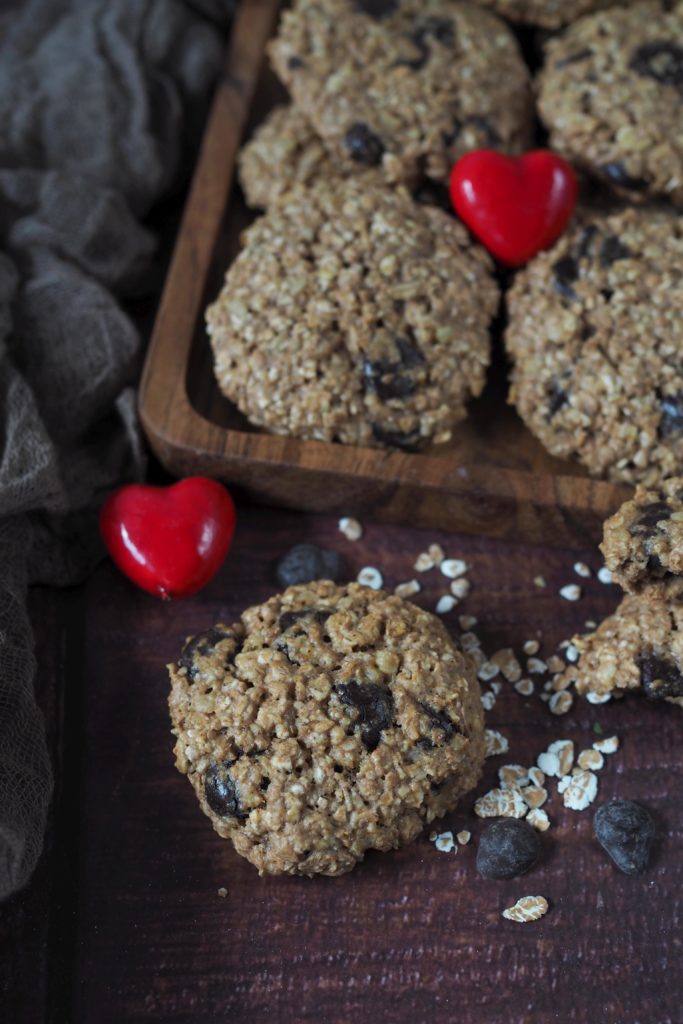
(169, 540)
(515, 206)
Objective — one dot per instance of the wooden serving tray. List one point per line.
(493, 478)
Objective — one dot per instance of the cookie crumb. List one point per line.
(407, 589)
(581, 569)
(496, 743)
(607, 746)
(351, 528)
(605, 575)
(460, 588)
(370, 577)
(453, 568)
(444, 842)
(445, 604)
(528, 908)
(539, 819)
(572, 592)
(464, 837)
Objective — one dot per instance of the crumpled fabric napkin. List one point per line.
(101, 105)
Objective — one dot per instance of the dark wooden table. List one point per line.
(123, 921)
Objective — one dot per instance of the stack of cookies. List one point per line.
(360, 310)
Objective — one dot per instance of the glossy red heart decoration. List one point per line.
(515, 206)
(169, 540)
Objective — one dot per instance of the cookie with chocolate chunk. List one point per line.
(546, 13)
(354, 314)
(643, 541)
(404, 85)
(596, 336)
(329, 721)
(639, 648)
(611, 94)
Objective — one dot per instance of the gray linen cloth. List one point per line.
(101, 101)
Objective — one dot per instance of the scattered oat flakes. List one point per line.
(591, 759)
(548, 685)
(572, 653)
(435, 552)
(496, 687)
(591, 624)
(539, 581)
(453, 568)
(467, 621)
(561, 681)
(489, 670)
(496, 743)
(509, 666)
(460, 588)
(535, 666)
(539, 819)
(605, 575)
(572, 592)
(581, 791)
(536, 776)
(525, 687)
(469, 641)
(351, 528)
(407, 589)
(607, 746)
(549, 763)
(561, 702)
(423, 562)
(501, 803)
(222, 892)
(556, 664)
(477, 656)
(444, 842)
(531, 646)
(598, 698)
(563, 783)
(581, 569)
(370, 577)
(528, 908)
(488, 699)
(464, 837)
(446, 603)
(564, 751)
(534, 796)
(513, 776)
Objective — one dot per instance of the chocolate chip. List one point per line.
(438, 720)
(662, 61)
(485, 127)
(376, 8)
(363, 146)
(617, 174)
(557, 398)
(396, 438)
(221, 792)
(585, 241)
(649, 516)
(440, 29)
(626, 831)
(507, 848)
(288, 619)
(203, 644)
(432, 193)
(374, 706)
(306, 562)
(671, 421)
(565, 271)
(654, 566)
(574, 58)
(613, 249)
(294, 63)
(659, 676)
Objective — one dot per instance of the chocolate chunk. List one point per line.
(611, 250)
(649, 516)
(662, 61)
(626, 831)
(389, 378)
(574, 58)
(671, 422)
(432, 193)
(617, 174)
(395, 438)
(659, 676)
(221, 792)
(654, 566)
(289, 619)
(438, 720)
(507, 848)
(306, 562)
(363, 146)
(203, 644)
(294, 63)
(585, 241)
(565, 271)
(485, 127)
(557, 398)
(374, 706)
(440, 29)
(376, 8)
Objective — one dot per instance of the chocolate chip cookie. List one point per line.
(640, 648)
(329, 721)
(545, 13)
(611, 94)
(643, 541)
(354, 314)
(405, 85)
(596, 335)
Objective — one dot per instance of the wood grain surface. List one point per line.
(492, 478)
(409, 936)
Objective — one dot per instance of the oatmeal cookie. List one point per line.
(354, 314)
(329, 721)
(640, 648)
(408, 85)
(545, 13)
(611, 94)
(643, 541)
(596, 335)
